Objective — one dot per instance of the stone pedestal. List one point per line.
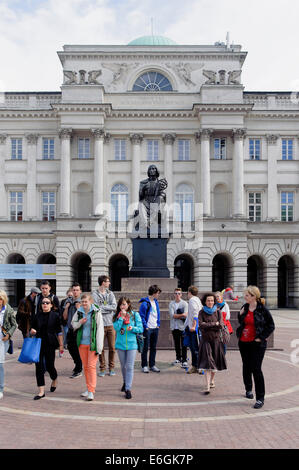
(149, 258)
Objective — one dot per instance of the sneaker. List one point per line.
(176, 362)
(184, 365)
(145, 370)
(111, 373)
(84, 394)
(90, 396)
(128, 394)
(193, 370)
(258, 404)
(154, 369)
(249, 395)
(101, 373)
(1, 395)
(76, 374)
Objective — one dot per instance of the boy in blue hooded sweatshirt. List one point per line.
(150, 315)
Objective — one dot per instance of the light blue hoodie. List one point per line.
(127, 340)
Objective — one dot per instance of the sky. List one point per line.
(32, 31)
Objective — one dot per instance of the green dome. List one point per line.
(152, 41)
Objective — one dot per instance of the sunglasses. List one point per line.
(46, 303)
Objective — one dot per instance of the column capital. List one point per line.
(32, 138)
(238, 134)
(168, 138)
(65, 133)
(136, 138)
(3, 138)
(203, 134)
(272, 138)
(98, 133)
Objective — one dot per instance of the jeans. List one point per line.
(193, 346)
(110, 333)
(150, 341)
(180, 349)
(252, 354)
(127, 360)
(73, 349)
(1, 377)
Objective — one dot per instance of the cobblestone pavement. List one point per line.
(168, 410)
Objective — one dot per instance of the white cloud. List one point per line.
(30, 37)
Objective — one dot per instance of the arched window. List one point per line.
(184, 207)
(152, 81)
(119, 203)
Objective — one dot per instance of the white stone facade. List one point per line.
(223, 125)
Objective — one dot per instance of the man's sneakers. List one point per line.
(112, 372)
(258, 404)
(176, 362)
(1, 395)
(193, 370)
(154, 369)
(101, 373)
(76, 374)
(184, 365)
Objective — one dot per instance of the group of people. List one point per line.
(81, 322)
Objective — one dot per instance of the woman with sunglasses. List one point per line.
(46, 325)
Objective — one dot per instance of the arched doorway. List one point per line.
(256, 272)
(118, 268)
(183, 271)
(47, 258)
(286, 282)
(221, 272)
(82, 270)
(15, 288)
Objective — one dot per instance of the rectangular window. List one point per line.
(287, 149)
(287, 206)
(254, 149)
(255, 207)
(220, 149)
(16, 205)
(48, 205)
(16, 149)
(119, 149)
(153, 150)
(48, 149)
(184, 149)
(83, 148)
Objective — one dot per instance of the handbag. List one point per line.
(224, 333)
(30, 350)
(140, 339)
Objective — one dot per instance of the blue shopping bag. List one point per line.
(30, 350)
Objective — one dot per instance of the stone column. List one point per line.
(65, 172)
(98, 171)
(197, 189)
(3, 196)
(271, 286)
(31, 176)
(273, 211)
(136, 140)
(205, 177)
(238, 172)
(168, 140)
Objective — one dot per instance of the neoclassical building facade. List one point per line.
(71, 162)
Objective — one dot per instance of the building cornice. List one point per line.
(222, 107)
(82, 108)
(27, 114)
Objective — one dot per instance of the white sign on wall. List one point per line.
(27, 271)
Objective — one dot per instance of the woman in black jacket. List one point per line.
(256, 325)
(46, 325)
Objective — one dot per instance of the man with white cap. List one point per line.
(26, 311)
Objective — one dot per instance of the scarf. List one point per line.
(210, 311)
(220, 304)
